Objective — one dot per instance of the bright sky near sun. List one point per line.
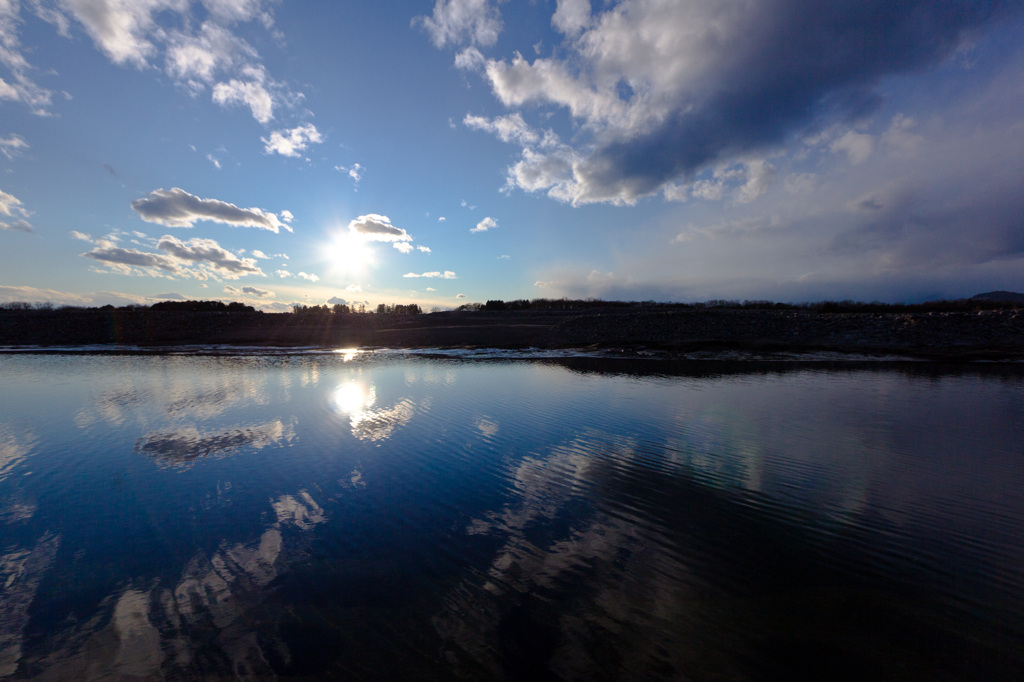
(441, 152)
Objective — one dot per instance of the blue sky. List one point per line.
(461, 150)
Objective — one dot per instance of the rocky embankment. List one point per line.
(986, 334)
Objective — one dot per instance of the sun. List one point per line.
(348, 254)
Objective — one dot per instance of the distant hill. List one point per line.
(999, 296)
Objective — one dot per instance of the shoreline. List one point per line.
(697, 334)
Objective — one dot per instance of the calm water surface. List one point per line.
(385, 516)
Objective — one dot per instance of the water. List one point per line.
(388, 516)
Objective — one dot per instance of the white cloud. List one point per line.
(355, 172)
(11, 206)
(250, 291)
(460, 296)
(240, 10)
(311, 278)
(98, 298)
(404, 247)
(80, 235)
(292, 142)
(456, 21)
(21, 88)
(760, 177)
(287, 216)
(487, 223)
(250, 93)
(571, 16)
(16, 226)
(256, 253)
(12, 145)
(208, 253)
(353, 288)
(213, 160)
(424, 249)
(858, 146)
(469, 59)
(510, 128)
(441, 219)
(375, 227)
(447, 274)
(120, 28)
(177, 208)
(281, 255)
(431, 289)
(504, 257)
(282, 273)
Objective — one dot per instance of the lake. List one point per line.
(391, 515)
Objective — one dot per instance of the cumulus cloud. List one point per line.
(99, 298)
(250, 93)
(292, 142)
(20, 87)
(251, 291)
(307, 276)
(177, 208)
(404, 247)
(16, 226)
(283, 274)
(10, 205)
(431, 289)
(460, 296)
(447, 274)
(12, 145)
(111, 254)
(424, 249)
(209, 253)
(487, 223)
(374, 227)
(75, 234)
(256, 253)
(665, 89)
(511, 128)
(287, 216)
(441, 219)
(456, 21)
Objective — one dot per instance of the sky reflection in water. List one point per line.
(348, 514)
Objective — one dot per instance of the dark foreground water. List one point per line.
(397, 517)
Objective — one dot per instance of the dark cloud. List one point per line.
(713, 83)
(378, 228)
(177, 208)
(16, 226)
(115, 255)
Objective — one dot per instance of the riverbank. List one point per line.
(990, 334)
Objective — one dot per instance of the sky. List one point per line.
(278, 152)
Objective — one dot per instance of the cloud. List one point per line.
(11, 206)
(353, 288)
(212, 159)
(404, 247)
(111, 254)
(80, 235)
(511, 128)
(447, 274)
(431, 289)
(12, 145)
(485, 224)
(858, 146)
(374, 227)
(256, 253)
(177, 208)
(355, 172)
(251, 291)
(171, 296)
(504, 257)
(311, 278)
(664, 89)
(456, 21)
(16, 226)
(424, 249)
(21, 87)
(209, 253)
(292, 142)
(99, 298)
(287, 216)
(334, 300)
(441, 219)
(251, 93)
(282, 273)
(460, 296)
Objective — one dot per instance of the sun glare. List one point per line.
(348, 254)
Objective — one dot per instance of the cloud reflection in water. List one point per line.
(180, 448)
